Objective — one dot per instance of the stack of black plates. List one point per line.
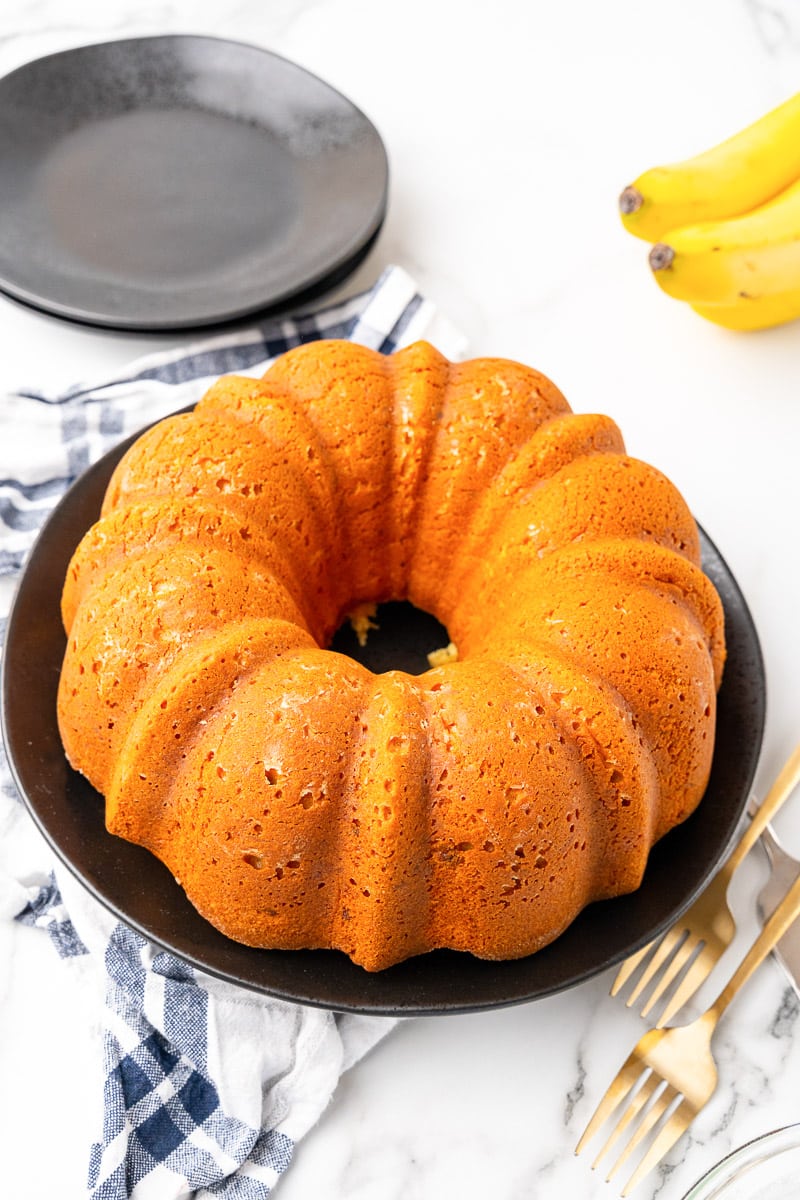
(172, 182)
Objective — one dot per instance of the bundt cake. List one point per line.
(302, 801)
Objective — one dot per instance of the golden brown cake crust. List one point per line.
(301, 800)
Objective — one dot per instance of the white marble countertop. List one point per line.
(511, 127)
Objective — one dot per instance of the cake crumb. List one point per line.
(445, 654)
(361, 621)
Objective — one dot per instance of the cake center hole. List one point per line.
(400, 638)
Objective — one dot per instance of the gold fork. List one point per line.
(701, 935)
(670, 1074)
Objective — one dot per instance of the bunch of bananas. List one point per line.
(726, 224)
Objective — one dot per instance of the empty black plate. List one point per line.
(178, 181)
(134, 885)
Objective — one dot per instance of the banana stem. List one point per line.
(630, 201)
(661, 256)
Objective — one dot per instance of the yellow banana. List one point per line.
(731, 178)
(723, 261)
(761, 312)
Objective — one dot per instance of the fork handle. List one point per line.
(780, 791)
(771, 934)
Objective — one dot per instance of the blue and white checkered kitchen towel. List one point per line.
(207, 1086)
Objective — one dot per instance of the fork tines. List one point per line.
(676, 967)
(649, 1111)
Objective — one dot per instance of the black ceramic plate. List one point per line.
(142, 892)
(178, 181)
